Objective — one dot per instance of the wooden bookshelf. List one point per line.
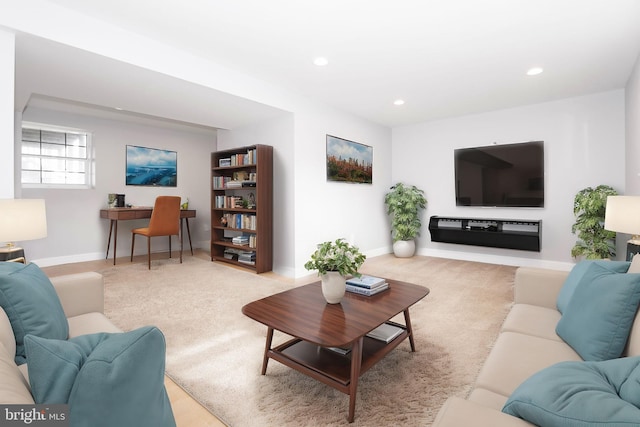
(242, 194)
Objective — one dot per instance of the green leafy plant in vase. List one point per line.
(589, 207)
(334, 261)
(404, 204)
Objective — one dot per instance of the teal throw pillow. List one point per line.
(577, 273)
(598, 319)
(580, 394)
(106, 379)
(31, 303)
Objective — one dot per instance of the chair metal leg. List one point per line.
(133, 241)
(169, 245)
(149, 251)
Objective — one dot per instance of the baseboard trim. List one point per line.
(497, 259)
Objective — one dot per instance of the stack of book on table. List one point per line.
(366, 285)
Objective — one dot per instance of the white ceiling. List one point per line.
(443, 57)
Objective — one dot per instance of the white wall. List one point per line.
(330, 210)
(584, 146)
(632, 151)
(75, 230)
(7, 66)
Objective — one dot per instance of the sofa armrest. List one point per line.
(80, 293)
(458, 412)
(538, 286)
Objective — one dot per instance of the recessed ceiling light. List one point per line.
(398, 102)
(321, 61)
(534, 71)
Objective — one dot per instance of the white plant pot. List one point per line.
(333, 287)
(404, 248)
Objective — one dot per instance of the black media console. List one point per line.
(498, 233)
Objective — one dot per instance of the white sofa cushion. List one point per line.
(14, 388)
(515, 357)
(533, 320)
(488, 398)
(457, 412)
(80, 293)
(90, 323)
(7, 339)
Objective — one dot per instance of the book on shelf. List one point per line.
(366, 281)
(340, 350)
(364, 291)
(241, 159)
(247, 258)
(240, 240)
(233, 184)
(385, 332)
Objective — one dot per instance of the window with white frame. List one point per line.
(55, 157)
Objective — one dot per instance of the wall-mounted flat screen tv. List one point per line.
(500, 175)
(151, 167)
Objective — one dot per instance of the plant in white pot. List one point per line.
(334, 262)
(404, 203)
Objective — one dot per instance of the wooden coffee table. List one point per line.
(316, 326)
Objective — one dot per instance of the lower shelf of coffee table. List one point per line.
(328, 366)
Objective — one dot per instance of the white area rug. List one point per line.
(215, 352)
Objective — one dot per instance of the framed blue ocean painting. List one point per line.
(151, 167)
(349, 161)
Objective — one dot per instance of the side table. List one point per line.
(632, 249)
(14, 255)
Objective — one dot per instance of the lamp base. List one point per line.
(10, 247)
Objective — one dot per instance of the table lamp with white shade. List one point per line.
(20, 220)
(622, 215)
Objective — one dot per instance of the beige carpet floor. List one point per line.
(215, 352)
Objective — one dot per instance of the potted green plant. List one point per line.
(404, 203)
(334, 262)
(589, 207)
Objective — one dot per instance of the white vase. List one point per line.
(404, 248)
(333, 287)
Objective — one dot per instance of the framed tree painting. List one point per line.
(349, 161)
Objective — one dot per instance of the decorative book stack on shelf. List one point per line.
(366, 285)
(242, 207)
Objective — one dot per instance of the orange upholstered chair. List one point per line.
(165, 221)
